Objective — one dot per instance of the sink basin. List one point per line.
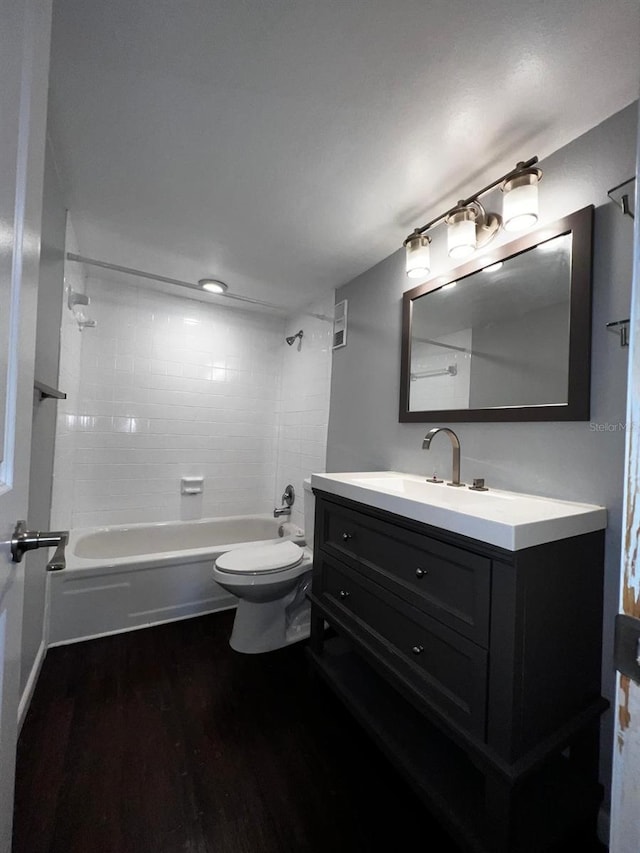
(422, 489)
(509, 520)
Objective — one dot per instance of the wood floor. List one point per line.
(166, 741)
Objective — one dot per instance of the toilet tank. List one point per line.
(309, 512)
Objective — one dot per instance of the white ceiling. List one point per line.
(287, 145)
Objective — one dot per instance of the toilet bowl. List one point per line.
(270, 582)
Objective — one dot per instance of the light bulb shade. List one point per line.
(418, 256)
(461, 233)
(520, 202)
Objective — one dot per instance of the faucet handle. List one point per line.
(434, 479)
(478, 485)
(289, 496)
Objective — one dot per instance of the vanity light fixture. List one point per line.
(212, 285)
(471, 227)
(461, 232)
(418, 255)
(520, 203)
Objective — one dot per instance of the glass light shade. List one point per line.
(461, 236)
(520, 204)
(418, 260)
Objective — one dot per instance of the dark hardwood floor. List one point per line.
(166, 741)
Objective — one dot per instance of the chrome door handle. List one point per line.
(24, 540)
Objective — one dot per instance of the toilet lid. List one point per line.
(261, 558)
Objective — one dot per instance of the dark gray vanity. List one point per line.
(475, 667)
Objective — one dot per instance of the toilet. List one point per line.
(271, 582)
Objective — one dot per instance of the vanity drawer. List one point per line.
(445, 668)
(447, 582)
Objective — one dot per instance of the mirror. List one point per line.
(506, 337)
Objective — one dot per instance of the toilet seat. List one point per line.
(260, 559)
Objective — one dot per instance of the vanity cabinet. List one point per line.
(476, 669)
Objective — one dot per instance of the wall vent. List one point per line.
(340, 325)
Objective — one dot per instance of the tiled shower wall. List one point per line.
(171, 387)
(304, 401)
(62, 500)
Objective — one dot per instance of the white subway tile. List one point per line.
(156, 396)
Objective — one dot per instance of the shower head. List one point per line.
(292, 338)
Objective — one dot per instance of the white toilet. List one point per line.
(270, 582)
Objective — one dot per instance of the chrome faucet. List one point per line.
(455, 443)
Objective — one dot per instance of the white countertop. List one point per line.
(509, 520)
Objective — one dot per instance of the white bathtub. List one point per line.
(131, 576)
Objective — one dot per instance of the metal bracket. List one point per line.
(47, 391)
(622, 197)
(622, 327)
(626, 654)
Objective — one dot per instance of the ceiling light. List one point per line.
(418, 256)
(493, 267)
(212, 285)
(471, 227)
(520, 203)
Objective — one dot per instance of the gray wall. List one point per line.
(573, 461)
(522, 361)
(50, 298)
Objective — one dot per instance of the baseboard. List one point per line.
(27, 693)
(604, 826)
(229, 605)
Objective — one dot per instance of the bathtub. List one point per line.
(130, 576)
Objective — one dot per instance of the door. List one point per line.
(24, 64)
(625, 794)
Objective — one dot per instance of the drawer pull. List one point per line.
(347, 536)
(344, 594)
(420, 573)
(417, 650)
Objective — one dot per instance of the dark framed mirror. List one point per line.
(507, 336)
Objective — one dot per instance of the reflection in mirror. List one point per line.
(496, 338)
